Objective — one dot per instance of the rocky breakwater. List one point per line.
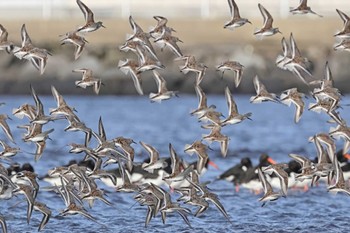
(258, 58)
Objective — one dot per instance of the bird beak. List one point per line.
(214, 165)
(347, 156)
(270, 160)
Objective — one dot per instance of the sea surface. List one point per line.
(272, 130)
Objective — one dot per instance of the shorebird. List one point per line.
(236, 19)
(233, 116)
(326, 105)
(163, 92)
(278, 169)
(178, 172)
(269, 194)
(90, 24)
(40, 117)
(142, 37)
(297, 62)
(76, 125)
(343, 45)
(125, 145)
(62, 107)
(327, 140)
(261, 93)
(127, 185)
(5, 127)
(192, 65)
(307, 167)
(130, 66)
(147, 62)
(202, 103)
(169, 206)
(27, 191)
(39, 57)
(166, 39)
(303, 8)
(41, 207)
(26, 45)
(327, 90)
(4, 43)
(30, 178)
(236, 67)
(88, 80)
(281, 60)
(155, 162)
(213, 117)
(293, 96)
(207, 195)
(267, 29)
(3, 224)
(78, 41)
(340, 184)
(343, 132)
(201, 150)
(161, 26)
(25, 110)
(216, 135)
(345, 32)
(8, 150)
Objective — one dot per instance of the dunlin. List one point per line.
(233, 116)
(303, 8)
(236, 19)
(267, 29)
(261, 93)
(163, 92)
(90, 24)
(88, 80)
(234, 66)
(269, 194)
(293, 96)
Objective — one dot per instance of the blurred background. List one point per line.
(198, 23)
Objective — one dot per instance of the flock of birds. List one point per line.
(154, 180)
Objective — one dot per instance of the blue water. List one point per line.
(272, 130)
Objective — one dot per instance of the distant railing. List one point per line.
(59, 9)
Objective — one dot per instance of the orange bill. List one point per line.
(214, 165)
(270, 160)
